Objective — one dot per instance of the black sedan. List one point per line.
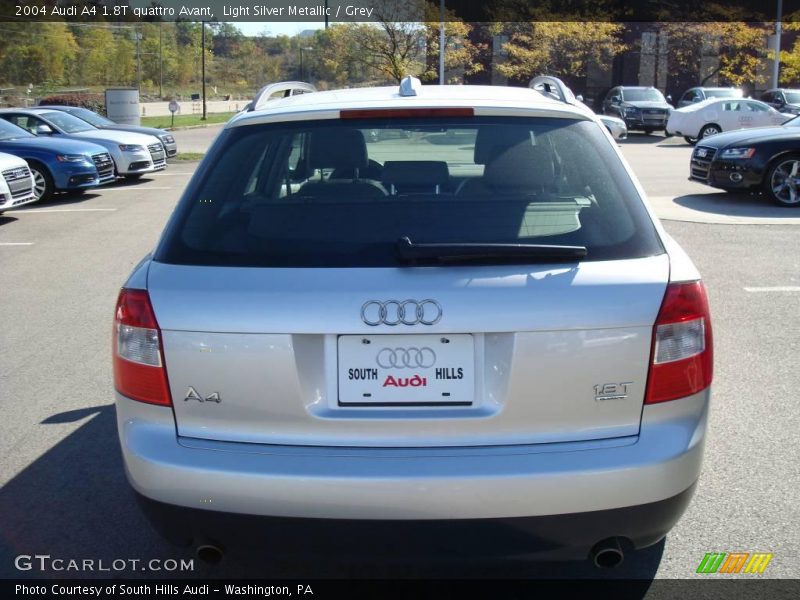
(764, 159)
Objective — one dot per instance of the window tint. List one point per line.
(723, 93)
(646, 95)
(342, 193)
(8, 131)
(792, 97)
(755, 107)
(66, 122)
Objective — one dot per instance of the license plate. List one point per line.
(406, 370)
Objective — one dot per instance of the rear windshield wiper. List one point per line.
(413, 253)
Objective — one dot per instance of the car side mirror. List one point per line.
(579, 97)
(43, 130)
(614, 99)
(669, 98)
(780, 102)
(696, 99)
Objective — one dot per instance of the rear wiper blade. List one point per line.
(410, 252)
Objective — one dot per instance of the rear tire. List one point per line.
(782, 183)
(690, 140)
(43, 186)
(709, 130)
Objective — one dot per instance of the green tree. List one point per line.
(562, 49)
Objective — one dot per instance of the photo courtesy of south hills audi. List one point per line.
(353, 299)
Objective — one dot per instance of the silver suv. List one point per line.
(471, 323)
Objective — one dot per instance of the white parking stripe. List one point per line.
(16, 243)
(784, 288)
(137, 188)
(60, 210)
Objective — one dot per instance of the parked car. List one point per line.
(16, 183)
(710, 117)
(616, 127)
(642, 108)
(549, 86)
(58, 164)
(699, 94)
(133, 154)
(783, 100)
(495, 346)
(101, 122)
(764, 159)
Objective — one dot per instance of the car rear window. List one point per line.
(342, 193)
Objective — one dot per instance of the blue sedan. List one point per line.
(58, 165)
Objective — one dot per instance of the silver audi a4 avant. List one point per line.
(468, 334)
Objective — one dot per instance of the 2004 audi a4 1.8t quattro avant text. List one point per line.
(475, 327)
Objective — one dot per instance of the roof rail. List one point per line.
(552, 87)
(289, 88)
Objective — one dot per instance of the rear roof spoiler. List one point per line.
(287, 88)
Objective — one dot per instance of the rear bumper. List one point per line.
(554, 537)
(415, 483)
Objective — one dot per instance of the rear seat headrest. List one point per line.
(337, 148)
(492, 140)
(521, 167)
(415, 173)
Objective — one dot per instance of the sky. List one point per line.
(276, 28)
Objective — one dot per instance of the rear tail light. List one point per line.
(139, 371)
(682, 351)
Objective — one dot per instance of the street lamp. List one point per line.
(307, 49)
(776, 63)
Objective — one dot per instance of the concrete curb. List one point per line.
(184, 127)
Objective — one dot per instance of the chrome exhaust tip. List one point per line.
(211, 554)
(608, 554)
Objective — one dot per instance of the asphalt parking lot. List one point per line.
(63, 488)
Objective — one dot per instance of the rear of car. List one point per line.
(471, 324)
(16, 183)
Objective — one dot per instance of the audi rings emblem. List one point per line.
(396, 312)
(406, 358)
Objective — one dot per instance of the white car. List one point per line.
(700, 120)
(616, 127)
(16, 182)
(134, 154)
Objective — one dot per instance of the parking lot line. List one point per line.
(60, 210)
(783, 288)
(136, 188)
(16, 243)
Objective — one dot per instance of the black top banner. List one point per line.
(342, 11)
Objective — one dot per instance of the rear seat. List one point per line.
(340, 149)
(415, 176)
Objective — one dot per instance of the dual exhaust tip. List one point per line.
(606, 554)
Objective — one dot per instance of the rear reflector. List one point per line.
(682, 351)
(139, 371)
(399, 113)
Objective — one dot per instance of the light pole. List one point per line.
(776, 63)
(441, 43)
(138, 37)
(307, 48)
(160, 64)
(203, 63)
